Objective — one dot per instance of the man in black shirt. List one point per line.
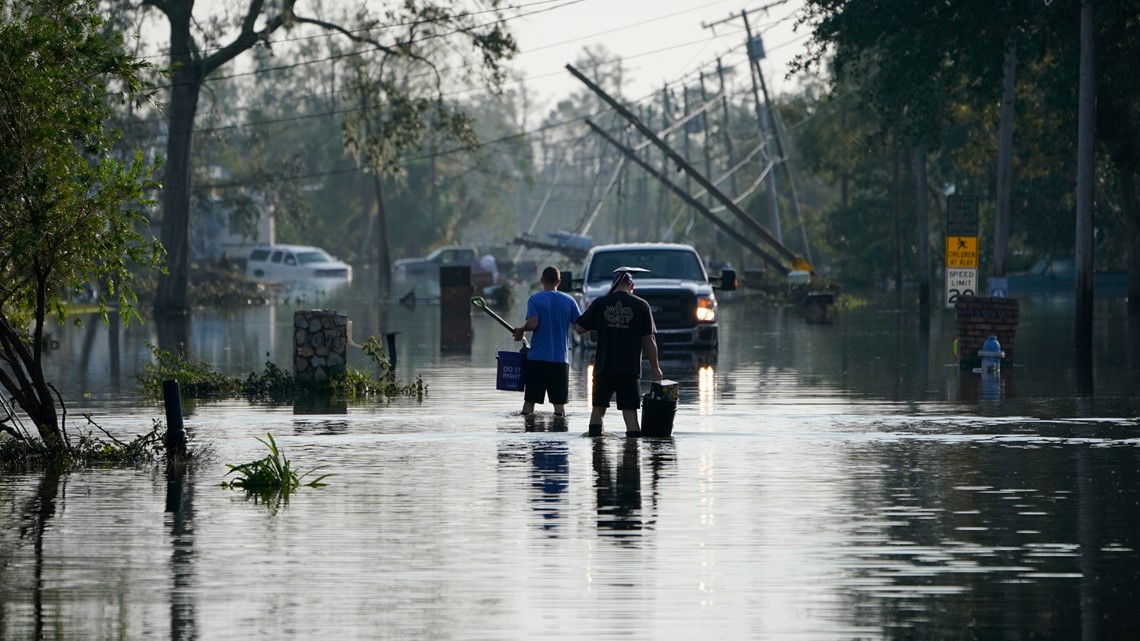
(625, 328)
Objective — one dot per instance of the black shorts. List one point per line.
(628, 389)
(546, 378)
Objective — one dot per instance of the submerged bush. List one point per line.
(86, 449)
(355, 383)
(198, 379)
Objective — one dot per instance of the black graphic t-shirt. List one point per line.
(621, 320)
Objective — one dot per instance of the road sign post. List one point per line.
(961, 248)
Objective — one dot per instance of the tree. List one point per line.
(70, 210)
(932, 59)
(425, 24)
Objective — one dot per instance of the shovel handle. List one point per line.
(478, 302)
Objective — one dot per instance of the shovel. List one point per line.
(478, 302)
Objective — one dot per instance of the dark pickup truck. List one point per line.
(677, 287)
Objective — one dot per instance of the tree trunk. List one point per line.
(172, 296)
(383, 253)
(25, 382)
(1132, 231)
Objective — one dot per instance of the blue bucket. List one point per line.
(509, 376)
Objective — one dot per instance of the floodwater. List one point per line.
(823, 482)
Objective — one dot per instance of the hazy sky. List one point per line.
(662, 41)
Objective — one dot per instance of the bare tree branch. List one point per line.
(388, 50)
(249, 35)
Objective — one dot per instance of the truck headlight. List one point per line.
(706, 309)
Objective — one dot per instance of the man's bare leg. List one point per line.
(631, 426)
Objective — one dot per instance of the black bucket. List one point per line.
(657, 416)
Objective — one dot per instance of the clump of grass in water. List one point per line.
(271, 474)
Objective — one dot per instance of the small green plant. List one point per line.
(274, 473)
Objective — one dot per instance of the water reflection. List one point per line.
(179, 523)
(550, 480)
(37, 514)
(618, 490)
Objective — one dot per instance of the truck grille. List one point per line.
(672, 309)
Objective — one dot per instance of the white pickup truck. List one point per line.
(677, 287)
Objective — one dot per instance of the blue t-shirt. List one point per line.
(556, 312)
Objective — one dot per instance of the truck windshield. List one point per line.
(315, 256)
(662, 263)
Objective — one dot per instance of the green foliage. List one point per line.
(88, 449)
(272, 384)
(272, 474)
(198, 379)
(356, 384)
(71, 209)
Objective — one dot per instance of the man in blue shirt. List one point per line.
(549, 316)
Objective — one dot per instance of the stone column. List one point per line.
(320, 344)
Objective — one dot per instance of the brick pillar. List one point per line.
(320, 344)
(983, 316)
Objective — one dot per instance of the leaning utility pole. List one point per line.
(688, 199)
(755, 54)
(684, 165)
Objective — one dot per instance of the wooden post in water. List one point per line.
(455, 289)
(175, 437)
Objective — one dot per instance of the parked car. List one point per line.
(412, 268)
(677, 288)
(420, 276)
(290, 264)
(1059, 274)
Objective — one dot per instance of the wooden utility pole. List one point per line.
(1086, 165)
(706, 145)
(923, 236)
(753, 72)
(662, 194)
(726, 133)
(755, 53)
(1005, 163)
(896, 215)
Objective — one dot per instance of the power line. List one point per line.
(468, 14)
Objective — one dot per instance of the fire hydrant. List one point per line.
(991, 356)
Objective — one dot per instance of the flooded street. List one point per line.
(841, 481)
